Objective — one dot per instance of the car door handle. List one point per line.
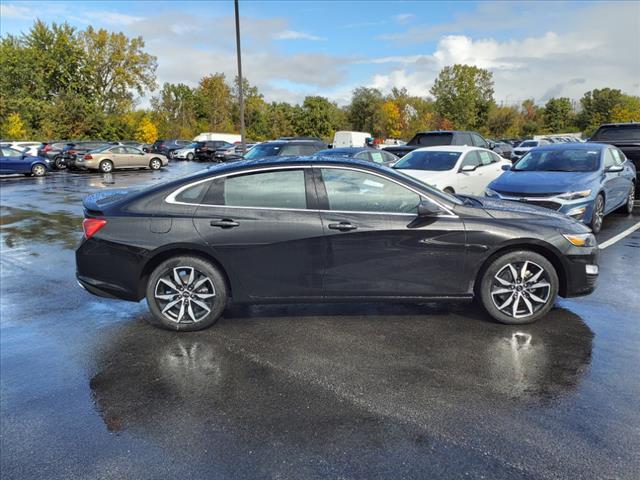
(342, 226)
(224, 223)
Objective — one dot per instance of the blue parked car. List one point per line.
(15, 161)
(585, 181)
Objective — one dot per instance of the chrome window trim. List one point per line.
(171, 198)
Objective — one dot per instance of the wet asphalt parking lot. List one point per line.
(89, 390)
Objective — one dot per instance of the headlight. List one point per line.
(581, 239)
(491, 193)
(575, 195)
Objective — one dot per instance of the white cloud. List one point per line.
(403, 17)
(113, 18)
(10, 10)
(293, 35)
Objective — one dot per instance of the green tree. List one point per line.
(504, 122)
(558, 115)
(282, 119)
(256, 111)
(598, 107)
(532, 118)
(364, 109)
(14, 127)
(214, 104)
(463, 95)
(175, 111)
(627, 110)
(116, 66)
(318, 117)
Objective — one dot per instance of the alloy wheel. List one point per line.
(631, 199)
(106, 166)
(155, 164)
(520, 289)
(598, 215)
(38, 170)
(185, 295)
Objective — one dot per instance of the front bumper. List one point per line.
(579, 209)
(581, 274)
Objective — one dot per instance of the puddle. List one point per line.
(19, 225)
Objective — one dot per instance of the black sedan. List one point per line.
(361, 153)
(325, 229)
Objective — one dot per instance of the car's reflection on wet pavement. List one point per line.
(89, 390)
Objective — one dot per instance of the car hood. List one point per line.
(506, 209)
(430, 177)
(400, 150)
(541, 182)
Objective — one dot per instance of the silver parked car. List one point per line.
(110, 157)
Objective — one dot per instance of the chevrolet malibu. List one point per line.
(586, 181)
(301, 229)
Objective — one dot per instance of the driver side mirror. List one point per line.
(615, 168)
(427, 208)
(468, 168)
(492, 145)
(506, 168)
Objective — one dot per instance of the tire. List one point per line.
(59, 163)
(597, 214)
(190, 156)
(449, 190)
(531, 301)
(38, 170)
(183, 310)
(106, 166)
(629, 204)
(170, 154)
(155, 164)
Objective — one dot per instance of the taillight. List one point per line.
(88, 156)
(47, 148)
(91, 226)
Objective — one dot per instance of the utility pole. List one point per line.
(240, 85)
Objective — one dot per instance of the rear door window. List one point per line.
(485, 157)
(272, 189)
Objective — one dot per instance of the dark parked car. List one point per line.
(441, 137)
(73, 150)
(212, 150)
(283, 148)
(503, 149)
(325, 229)
(16, 161)
(53, 152)
(625, 136)
(361, 153)
(585, 181)
(167, 147)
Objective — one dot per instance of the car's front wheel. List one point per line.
(597, 215)
(518, 287)
(59, 163)
(186, 293)
(190, 156)
(155, 164)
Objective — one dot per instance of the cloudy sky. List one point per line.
(297, 48)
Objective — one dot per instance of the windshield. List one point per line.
(431, 139)
(264, 150)
(428, 160)
(433, 191)
(570, 160)
(528, 144)
(102, 148)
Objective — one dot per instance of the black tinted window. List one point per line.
(193, 194)
(428, 160)
(478, 141)
(279, 189)
(353, 191)
(625, 132)
(431, 139)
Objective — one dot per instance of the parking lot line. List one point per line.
(620, 236)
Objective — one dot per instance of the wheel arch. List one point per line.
(544, 249)
(174, 251)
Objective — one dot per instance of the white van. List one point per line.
(222, 137)
(350, 139)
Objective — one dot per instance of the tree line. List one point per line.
(59, 82)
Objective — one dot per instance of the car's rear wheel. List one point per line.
(518, 287)
(106, 166)
(597, 215)
(189, 156)
(155, 164)
(38, 170)
(59, 163)
(186, 293)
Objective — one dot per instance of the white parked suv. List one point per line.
(519, 151)
(454, 169)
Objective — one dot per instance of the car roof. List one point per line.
(573, 146)
(449, 148)
(350, 149)
(623, 124)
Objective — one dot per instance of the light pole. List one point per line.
(240, 92)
